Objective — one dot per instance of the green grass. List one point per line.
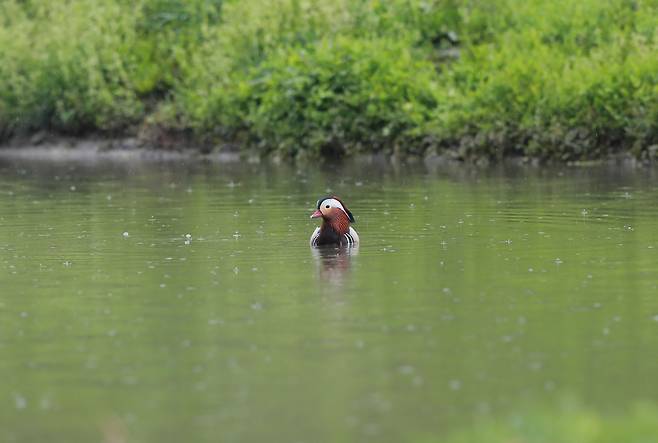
(562, 79)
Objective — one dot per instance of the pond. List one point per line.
(176, 301)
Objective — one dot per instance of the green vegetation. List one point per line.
(570, 424)
(564, 79)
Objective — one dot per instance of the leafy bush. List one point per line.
(345, 94)
(579, 92)
(83, 65)
(66, 66)
(341, 94)
(563, 79)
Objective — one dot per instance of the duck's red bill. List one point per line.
(316, 214)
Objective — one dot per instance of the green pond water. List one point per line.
(476, 295)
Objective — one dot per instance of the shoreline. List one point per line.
(56, 148)
(99, 148)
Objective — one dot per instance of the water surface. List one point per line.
(180, 301)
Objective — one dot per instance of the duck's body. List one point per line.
(335, 228)
(328, 236)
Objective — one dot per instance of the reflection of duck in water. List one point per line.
(335, 229)
(334, 262)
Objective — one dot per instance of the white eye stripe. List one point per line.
(332, 203)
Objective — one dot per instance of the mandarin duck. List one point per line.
(335, 228)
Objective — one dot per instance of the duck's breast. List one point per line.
(314, 237)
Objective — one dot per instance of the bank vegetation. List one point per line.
(559, 79)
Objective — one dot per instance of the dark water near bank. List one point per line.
(475, 293)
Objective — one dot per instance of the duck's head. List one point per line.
(332, 208)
